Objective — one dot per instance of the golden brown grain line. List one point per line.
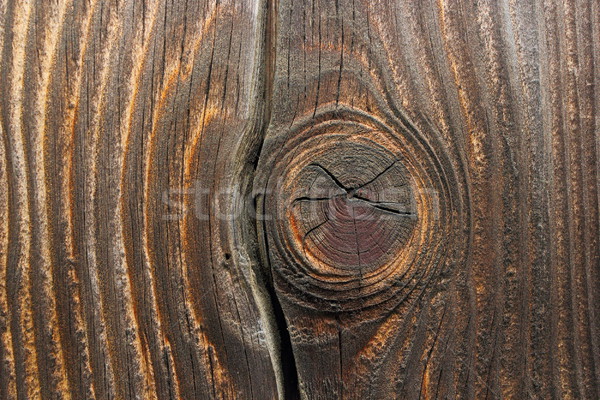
(571, 129)
(505, 121)
(18, 274)
(51, 365)
(424, 68)
(549, 120)
(445, 112)
(496, 77)
(566, 381)
(590, 104)
(102, 355)
(480, 152)
(3, 6)
(170, 339)
(8, 387)
(578, 212)
(534, 186)
(73, 322)
(114, 287)
(587, 94)
(123, 83)
(190, 102)
(140, 43)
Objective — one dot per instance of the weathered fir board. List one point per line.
(316, 199)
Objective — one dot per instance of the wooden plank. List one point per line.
(480, 278)
(222, 199)
(118, 119)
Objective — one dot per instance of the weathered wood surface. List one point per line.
(111, 287)
(299, 198)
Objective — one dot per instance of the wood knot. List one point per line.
(354, 208)
(352, 214)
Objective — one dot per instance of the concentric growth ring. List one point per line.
(357, 209)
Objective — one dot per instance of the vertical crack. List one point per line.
(287, 373)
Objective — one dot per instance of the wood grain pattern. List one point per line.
(256, 199)
(495, 103)
(112, 113)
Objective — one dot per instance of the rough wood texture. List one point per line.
(256, 199)
(113, 113)
(490, 106)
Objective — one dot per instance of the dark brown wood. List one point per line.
(121, 122)
(489, 108)
(257, 199)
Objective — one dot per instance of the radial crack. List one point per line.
(306, 198)
(377, 176)
(329, 174)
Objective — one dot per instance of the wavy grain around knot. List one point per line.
(357, 213)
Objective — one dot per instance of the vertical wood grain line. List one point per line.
(18, 273)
